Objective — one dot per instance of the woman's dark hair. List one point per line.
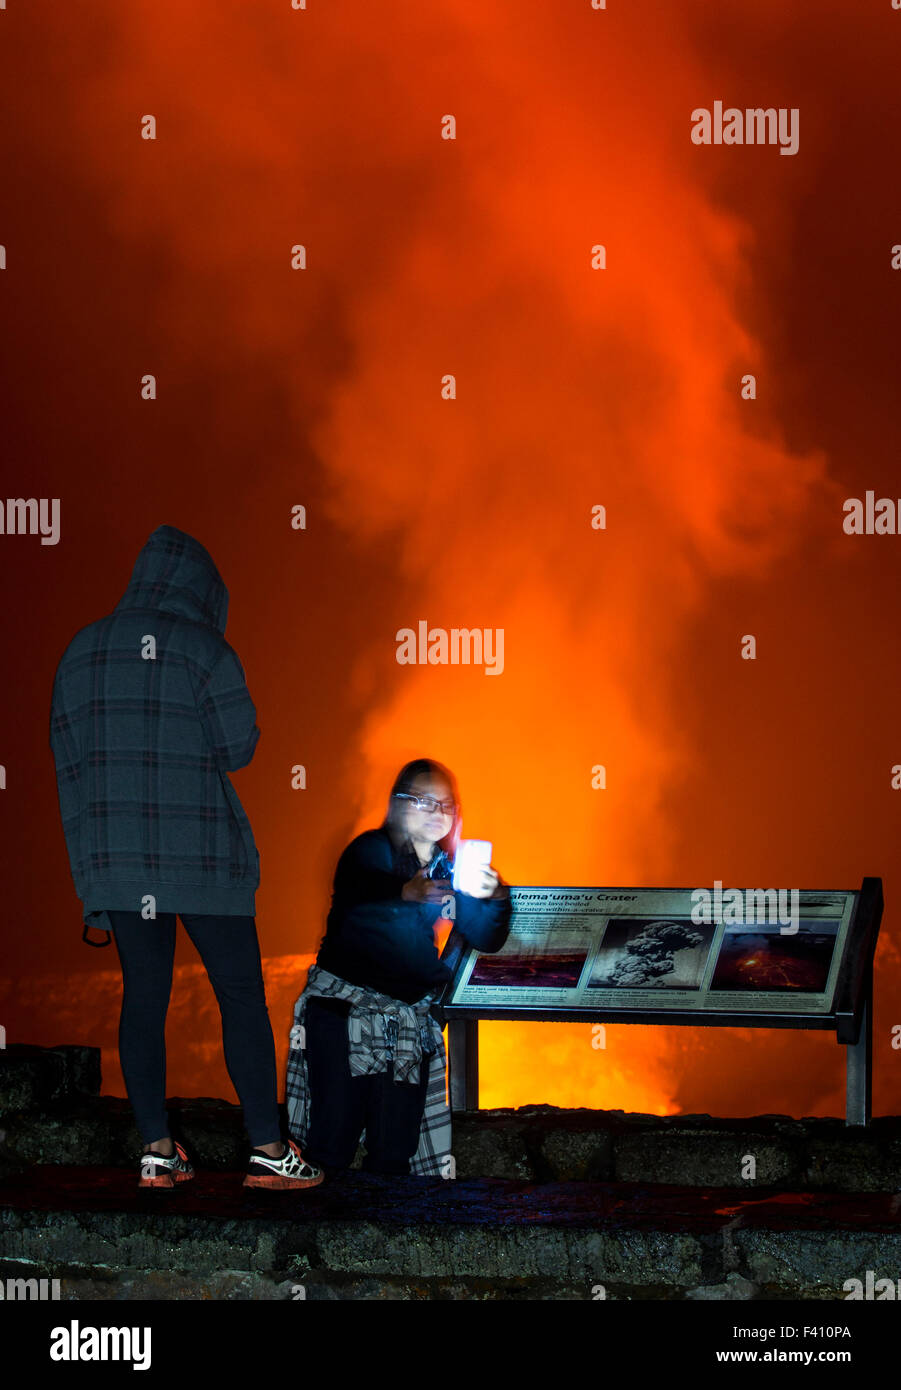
(405, 857)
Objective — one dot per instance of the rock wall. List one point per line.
(52, 1112)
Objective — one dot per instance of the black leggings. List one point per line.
(230, 951)
(342, 1105)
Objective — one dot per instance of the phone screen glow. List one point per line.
(471, 856)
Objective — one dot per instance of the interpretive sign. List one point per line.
(643, 949)
(743, 958)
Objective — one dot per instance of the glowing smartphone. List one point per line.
(472, 855)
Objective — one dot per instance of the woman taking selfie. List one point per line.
(367, 1053)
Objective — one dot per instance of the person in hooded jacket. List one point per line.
(367, 1050)
(150, 712)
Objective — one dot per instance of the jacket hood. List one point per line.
(176, 574)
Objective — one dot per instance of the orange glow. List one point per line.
(575, 387)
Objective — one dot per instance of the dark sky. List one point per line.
(574, 387)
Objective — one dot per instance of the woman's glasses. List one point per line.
(428, 803)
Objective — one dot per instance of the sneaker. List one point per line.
(159, 1171)
(291, 1170)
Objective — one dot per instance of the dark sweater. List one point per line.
(376, 939)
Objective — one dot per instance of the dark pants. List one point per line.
(342, 1105)
(230, 951)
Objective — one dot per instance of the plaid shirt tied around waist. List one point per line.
(379, 1030)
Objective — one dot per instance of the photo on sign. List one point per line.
(558, 969)
(765, 960)
(652, 953)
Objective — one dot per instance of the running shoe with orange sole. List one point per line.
(159, 1171)
(289, 1171)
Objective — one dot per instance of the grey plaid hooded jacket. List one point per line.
(144, 739)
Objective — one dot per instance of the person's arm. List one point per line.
(227, 713)
(485, 922)
(64, 745)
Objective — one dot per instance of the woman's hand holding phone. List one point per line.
(485, 882)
